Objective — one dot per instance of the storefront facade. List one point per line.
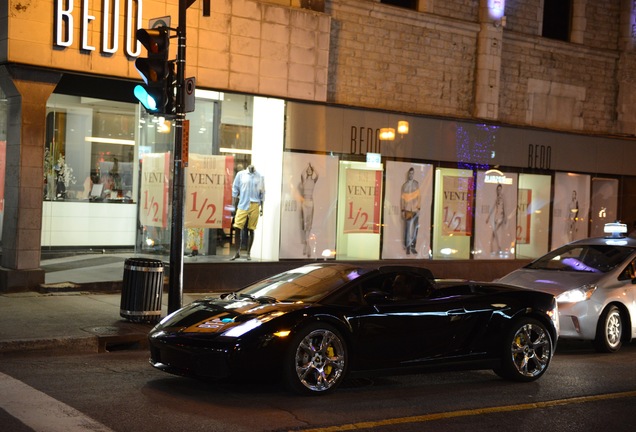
(86, 168)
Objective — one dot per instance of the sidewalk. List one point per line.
(73, 313)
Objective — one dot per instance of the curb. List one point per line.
(88, 344)
(70, 287)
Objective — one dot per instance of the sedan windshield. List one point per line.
(583, 258)
(304, 284)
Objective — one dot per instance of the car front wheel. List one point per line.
(527, 351)
(609, 331)
(316, 360)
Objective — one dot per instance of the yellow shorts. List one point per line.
(250, 216)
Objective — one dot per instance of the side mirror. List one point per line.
(376, 297)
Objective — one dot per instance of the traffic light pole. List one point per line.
(175, 281)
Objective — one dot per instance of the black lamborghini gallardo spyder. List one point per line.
(317, 324)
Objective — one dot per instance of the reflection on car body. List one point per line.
(316, 324)
(594, 283)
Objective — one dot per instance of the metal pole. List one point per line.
(175, 281)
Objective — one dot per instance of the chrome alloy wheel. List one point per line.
(613, 331)
(531, 350)
(609, 330)
(320, 360)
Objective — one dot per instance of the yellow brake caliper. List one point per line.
(330, 354)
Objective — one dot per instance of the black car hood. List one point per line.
(220, 316)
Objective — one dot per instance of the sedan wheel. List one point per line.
(316, 360)
(609, 332)
(527, 351)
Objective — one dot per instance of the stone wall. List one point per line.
(362, 53)
(397, 59)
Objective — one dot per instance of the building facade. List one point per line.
(518, 129)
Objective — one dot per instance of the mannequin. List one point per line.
(248, 195)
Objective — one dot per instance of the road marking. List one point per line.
(41, 412)
(472, 412)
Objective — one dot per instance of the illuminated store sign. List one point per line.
(497, 177)
(65, 15)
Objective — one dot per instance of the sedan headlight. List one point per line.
(576, 295)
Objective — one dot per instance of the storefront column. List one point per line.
(27, 92)
(488, 72)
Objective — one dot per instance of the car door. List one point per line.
(400, 331)
(628, 280)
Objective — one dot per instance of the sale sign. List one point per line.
(524, 201)
(457, 202)
(364, 189)
(208, 187)
(154, 189)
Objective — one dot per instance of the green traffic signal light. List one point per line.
(145, 98)
(157, 71)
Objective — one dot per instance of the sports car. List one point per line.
(594, 281)
(317, 324)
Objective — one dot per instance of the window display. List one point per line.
(495, 215)
(89, 172)
(359, 215)
(570, 208)
(533, 215)
(453, 213)
(308, 210)
(407, 210)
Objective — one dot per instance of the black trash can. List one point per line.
(142, 290)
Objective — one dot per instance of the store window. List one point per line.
(604, 204)
(407, 210)
(495, 215)
(220, 145)
(359, 210)
(533, 215)
(453, 213)
(571, 207)
(89, 173)
(227, 134)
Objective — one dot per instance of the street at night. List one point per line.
(120, 391)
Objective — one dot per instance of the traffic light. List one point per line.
(157, 71)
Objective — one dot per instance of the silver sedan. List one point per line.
(594, 282)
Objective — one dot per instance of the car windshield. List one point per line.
(583, 258)
(304, 284)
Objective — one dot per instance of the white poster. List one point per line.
(208, 191)
(571, 208)
(308, 210)
(456, 206)
(362, 201)
(407, 210)
(154, 189)
(495, 215)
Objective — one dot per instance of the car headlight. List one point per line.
(576, 295)
(243, 328)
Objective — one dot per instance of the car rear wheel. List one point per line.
(527, 351)
(609, 332)
(316, 360)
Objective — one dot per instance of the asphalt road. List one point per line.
(120, 391)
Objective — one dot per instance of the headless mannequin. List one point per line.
(245, 231)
